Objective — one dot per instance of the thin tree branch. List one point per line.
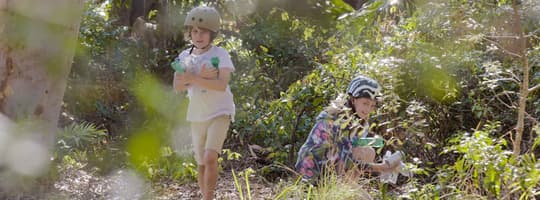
(531, 34)
(513, 75)
(505, 93)
(502, 37)
(536, 87)
(502, 48)
(534, 120)
(534, 123)
(503, 79)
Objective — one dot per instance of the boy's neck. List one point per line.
(202, 50)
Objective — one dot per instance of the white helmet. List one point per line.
(204, 17)
(362, 86)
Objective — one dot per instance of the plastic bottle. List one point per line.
(177, 66)
(377, 142)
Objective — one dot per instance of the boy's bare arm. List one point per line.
(179, 83)
(209, 72)
(219, 84)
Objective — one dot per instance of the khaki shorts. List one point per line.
(209, 135)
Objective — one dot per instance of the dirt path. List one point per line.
(81, 184)
(225, 190)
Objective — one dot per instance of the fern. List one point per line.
(80, 136)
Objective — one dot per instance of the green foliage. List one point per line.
(485, 164)
(286, 121)
(163, 112)
(484, 169)
(80, 136)
(83, 145)
(284, 48)
(245, 174)
(387, 12)
(436, 60)
(536, 143)
(331, 186)
(529, 182)
(429, 62)
(294, 189)
(121, 92)
(273, 53)
(415, 190)
(107, 61)
(230, 155)
(170, 165)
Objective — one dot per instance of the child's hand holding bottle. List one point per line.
(210, 69)
(182, 77)
(178, 66)
(208, 72)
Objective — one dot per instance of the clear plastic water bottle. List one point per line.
(177, 66)
(392, 159)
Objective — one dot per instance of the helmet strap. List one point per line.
(193, 47)
(191, 50)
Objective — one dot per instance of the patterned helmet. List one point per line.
(204, 17)
(362, 86)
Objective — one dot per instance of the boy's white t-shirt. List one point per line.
(205, 104)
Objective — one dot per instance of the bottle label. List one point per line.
(377, 142)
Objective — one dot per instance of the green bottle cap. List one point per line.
(215, 62)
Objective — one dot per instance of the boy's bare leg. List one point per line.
(210, 174)
(200, 178)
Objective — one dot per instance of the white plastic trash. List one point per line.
(391, 177)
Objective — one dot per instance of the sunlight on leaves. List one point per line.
(438, 84)
(537, 140)
(144, 147)
(156, 97)
(242, 8)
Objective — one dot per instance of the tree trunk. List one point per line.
(37, 43)
(524, 90)
(127, 11)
